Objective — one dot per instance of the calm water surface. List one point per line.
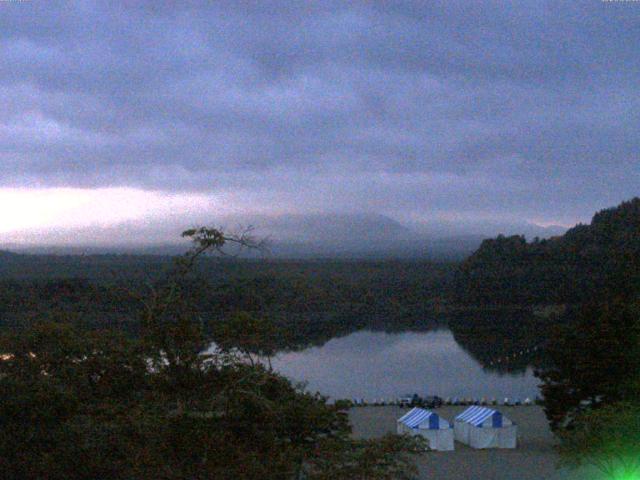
(377, 365)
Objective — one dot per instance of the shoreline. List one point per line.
(533, 459)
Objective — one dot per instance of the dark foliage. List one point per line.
(309, 301)
(593, 358)
(89, 404)
(563, 270)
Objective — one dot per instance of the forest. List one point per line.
(509, 288)
(568, 269)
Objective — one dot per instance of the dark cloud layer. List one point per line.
(417, 110)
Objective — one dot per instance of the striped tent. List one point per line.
(436, 430)
(481, 427)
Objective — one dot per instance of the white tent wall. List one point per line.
(461, 432)
(441, 440)
(437, 431)
(485, 434)
(504, 437)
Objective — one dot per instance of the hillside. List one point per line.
(563, 269)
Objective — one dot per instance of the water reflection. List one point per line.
(378, 365)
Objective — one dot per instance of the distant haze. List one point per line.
(291, 236)
(331, 126)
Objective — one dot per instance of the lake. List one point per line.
(378, 365)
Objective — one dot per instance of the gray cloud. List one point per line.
(416, 110)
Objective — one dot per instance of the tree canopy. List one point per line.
(97, 404)
(591, 360)
(608, 438)
(568, 269)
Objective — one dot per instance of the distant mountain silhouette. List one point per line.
(324, 235)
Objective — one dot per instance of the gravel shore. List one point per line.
(534, 458)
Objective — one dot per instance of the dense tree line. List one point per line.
(568, 269)
(310, 301)
(307, 307)
(592, 359)
(589, 385)
(591, 349)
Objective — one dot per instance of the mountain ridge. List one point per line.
(359, 235)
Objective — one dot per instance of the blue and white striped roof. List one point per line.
(477, 415)
(417, 416)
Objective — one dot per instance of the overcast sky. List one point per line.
(134, 113)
